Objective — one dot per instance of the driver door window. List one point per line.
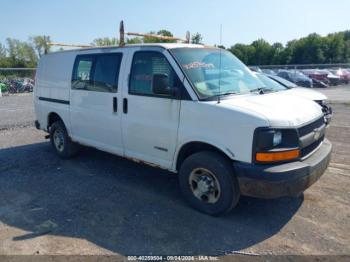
(145, 65)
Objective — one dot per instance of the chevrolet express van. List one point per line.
(196, 111)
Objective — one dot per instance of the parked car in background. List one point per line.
(255, 69)
(347, 70)
(343, 74)
(296, 77)
(319, 78)
(268, 71)
(316, 74)
(319, 83)
(332, 78)
(313, 95)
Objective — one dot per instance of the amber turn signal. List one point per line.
(277, 156)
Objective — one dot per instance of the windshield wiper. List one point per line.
(261, 90)
(221, 94)
(228, 93)
(225, 94)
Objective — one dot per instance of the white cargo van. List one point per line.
(194, 110)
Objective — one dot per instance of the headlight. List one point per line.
(277, 138)
(272, 145)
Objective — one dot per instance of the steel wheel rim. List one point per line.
(58, 140)
(204, 185)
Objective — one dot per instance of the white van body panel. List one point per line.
(150, 126)
(307, 93)
(53, 81)
(93, 121)
(279, 108)
(214, 123)
(55, 74)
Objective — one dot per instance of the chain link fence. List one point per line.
(16, 80)
(305, 66)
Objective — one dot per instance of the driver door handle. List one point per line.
(115, 105)
(125, 105)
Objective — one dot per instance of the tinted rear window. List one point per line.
(97, 72)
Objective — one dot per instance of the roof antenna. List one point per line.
(188, 37)
(220, 63)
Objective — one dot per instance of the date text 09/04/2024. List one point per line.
(172, 258)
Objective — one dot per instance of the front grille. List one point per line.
(308, 149)
(304, 130)
(309, 128)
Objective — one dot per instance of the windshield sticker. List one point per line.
(194, 65)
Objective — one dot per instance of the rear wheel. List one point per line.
(208, 183)
(61, 142)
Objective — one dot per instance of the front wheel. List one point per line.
(208, 183)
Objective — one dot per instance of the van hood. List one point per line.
(280, 109)
(306, 93)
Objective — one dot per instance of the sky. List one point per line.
(81, 21)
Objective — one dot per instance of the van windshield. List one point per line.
(214, 72)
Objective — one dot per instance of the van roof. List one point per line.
(162, 45)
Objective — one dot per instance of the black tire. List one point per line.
(68, 148)
(223, 171)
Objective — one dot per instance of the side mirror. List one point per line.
(160, 85)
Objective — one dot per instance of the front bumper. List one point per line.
(287, 179)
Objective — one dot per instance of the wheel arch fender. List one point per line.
(53, 116)
(190, 147)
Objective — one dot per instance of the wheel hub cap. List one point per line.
(58, 140)
(204, 185)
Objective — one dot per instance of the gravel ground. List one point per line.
(98, 203)
(339, 94)
(16, 111)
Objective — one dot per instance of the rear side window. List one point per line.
(82, 78)
(145, 65)
(97, 72)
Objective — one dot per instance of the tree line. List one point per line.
(25, 54)
(21, 54)
(313, 49)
